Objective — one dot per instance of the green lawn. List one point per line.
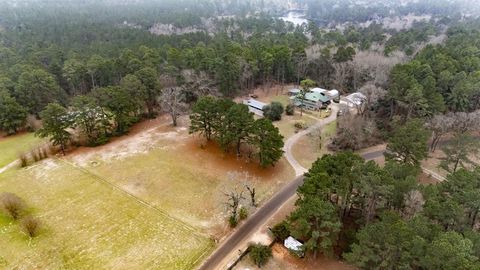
(11, 146)
(88, 224)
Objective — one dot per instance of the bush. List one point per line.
(232, 220)
(260, 254)
(243, 214)
(11, 205)
(30, 226)
(290, 110)
(273, 111)
(23, 160)
(281, 231)
(299, 125)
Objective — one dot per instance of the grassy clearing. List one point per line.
(188, 182)
(11, 146)
(287, 124)
(308, 148)
(88, 224)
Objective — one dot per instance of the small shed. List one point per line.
(255, 106)
(334, 95)
(293, 92)
(294, 246)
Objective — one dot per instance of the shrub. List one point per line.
(281, 231)
(299, 125)
(11, 204)
(243, 214)
(260, 254)
(273, 111)
(290, 110)
(232, 220)
(30, 226)
(23, 160)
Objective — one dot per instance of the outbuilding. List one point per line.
(294, 246)
(255, 106)
(334, 95)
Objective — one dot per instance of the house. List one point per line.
(313, 100)
(354, 99)
(255, 106)
(294, 246)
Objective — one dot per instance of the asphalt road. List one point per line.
(252, 224)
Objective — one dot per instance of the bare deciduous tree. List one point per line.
(439, 125)
(252, 192)
(342, 72)
(414, 202)
(172, 103)
(11, 204)
(234, 198)
(372, 95)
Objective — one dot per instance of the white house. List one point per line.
(354, 99)
(255, 106)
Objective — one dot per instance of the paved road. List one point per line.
(252, 224)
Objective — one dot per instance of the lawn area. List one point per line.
(287, 124)
(88, 224)
(11, 146)
(309, 148)
(172, 171)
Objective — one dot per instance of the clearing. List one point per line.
(88, 224)
(314, 145)
(182, 174)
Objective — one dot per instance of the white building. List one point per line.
(294, 246)
(255, 106)
(334, 95)
(354, 99)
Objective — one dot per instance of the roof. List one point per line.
(333, 93)
(294, 90)
(318, 90)
(254, 103)
(356, 98)
(293, 244)
(316, 96)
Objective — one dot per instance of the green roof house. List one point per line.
(313, 100)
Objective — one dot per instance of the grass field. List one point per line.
(11, 146)
(88, 224)
(307, 149)
(171, 170)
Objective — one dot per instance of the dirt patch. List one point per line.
(142, 137)
(211, 153)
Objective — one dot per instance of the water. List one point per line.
(295, 17)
